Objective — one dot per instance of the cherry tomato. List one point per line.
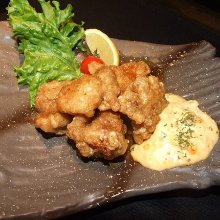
(84, 65)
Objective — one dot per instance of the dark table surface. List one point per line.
(163, 22)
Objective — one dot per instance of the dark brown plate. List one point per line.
(42, 176)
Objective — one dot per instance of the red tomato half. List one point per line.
(84, 65)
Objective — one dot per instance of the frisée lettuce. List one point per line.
(48, 40)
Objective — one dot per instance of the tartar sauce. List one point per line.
(184, 136)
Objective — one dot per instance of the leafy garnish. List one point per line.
(48, 40)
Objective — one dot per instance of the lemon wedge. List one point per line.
(98, 42)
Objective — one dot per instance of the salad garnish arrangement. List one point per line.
(49, 41)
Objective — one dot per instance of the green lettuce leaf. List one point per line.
(48, 40)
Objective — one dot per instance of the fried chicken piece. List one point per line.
(94, 66)
(81, 96)
(139, 68)
(48, 118)
(53, 122)
(128, 72)
(115, 80)
(110, 88)
(47, 95)
(103, 136)
(142, 102)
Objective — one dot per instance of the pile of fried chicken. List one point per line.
(95, 110)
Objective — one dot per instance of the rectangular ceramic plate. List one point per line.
(42, 176)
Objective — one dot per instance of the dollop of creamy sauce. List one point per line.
(184, 136)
